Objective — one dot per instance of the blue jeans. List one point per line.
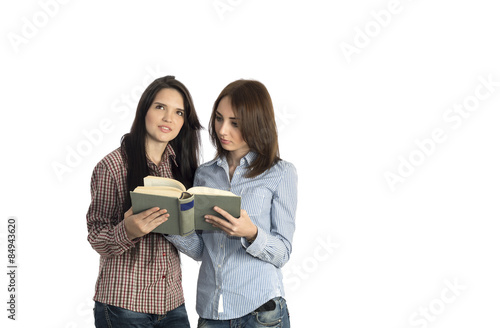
(277, 318)
(108, 316)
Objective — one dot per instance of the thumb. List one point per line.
(128, 213)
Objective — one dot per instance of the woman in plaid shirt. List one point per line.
(139, 282)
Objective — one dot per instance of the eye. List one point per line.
(218, 119)
(180, 112)
(235, 124)
(160, 107)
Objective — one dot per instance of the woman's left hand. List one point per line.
(237, 227)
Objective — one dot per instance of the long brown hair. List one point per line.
(186, 144)
(252, 104)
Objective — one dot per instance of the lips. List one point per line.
(165, 129)
(224, 141)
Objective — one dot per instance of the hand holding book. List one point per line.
(140, 224)
(236, 227)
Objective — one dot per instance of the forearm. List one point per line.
(191, 245)
(109, 240)
(106, 228)
(270, 248)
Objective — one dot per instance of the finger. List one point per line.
(157, 221)
(153, 220)
(225, 214)
(145, 214)
(223, 228)
(158, 215)
(218, 222)
(129, 212)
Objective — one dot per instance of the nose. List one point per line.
(223, 129)
(167, 116)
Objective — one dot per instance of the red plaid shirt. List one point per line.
(142, 275)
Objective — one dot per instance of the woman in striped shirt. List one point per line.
(139, 282)
(240, 281)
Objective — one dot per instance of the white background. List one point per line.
(423, 253)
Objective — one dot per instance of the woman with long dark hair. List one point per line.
(240, 281)
(139, 282)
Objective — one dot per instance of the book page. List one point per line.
(209, 191)
(152, 181)
(159, 190)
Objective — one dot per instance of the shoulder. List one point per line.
(283, 166)
(283, 174)
(209, 172)
(113, 162)
(208, 165)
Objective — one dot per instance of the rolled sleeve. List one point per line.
(107, 233)
(276, 246)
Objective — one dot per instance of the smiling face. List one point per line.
(165, 117)
(227, 127)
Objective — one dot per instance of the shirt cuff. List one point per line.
(122, 238)
(258, 245)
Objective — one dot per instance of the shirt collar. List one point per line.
(168, 152)
(245, 160)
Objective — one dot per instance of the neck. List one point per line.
(154, 151)
(233, 160)
(234, 157)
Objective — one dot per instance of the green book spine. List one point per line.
(186, 219)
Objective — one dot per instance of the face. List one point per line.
(165, 116)
(227, 127)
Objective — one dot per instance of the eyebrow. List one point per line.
(162, 104)
(231, 118)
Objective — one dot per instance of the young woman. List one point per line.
(139, 282)
(240, 281)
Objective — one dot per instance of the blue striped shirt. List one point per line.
(236, 277)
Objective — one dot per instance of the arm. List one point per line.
(274, 246)
(108, 235)
(191, 245)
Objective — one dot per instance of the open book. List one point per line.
(187, 208)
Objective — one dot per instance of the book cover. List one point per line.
(187, 208)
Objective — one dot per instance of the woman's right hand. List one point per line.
(140, 224)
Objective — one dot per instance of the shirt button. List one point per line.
(163, 277)
(164, 253)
